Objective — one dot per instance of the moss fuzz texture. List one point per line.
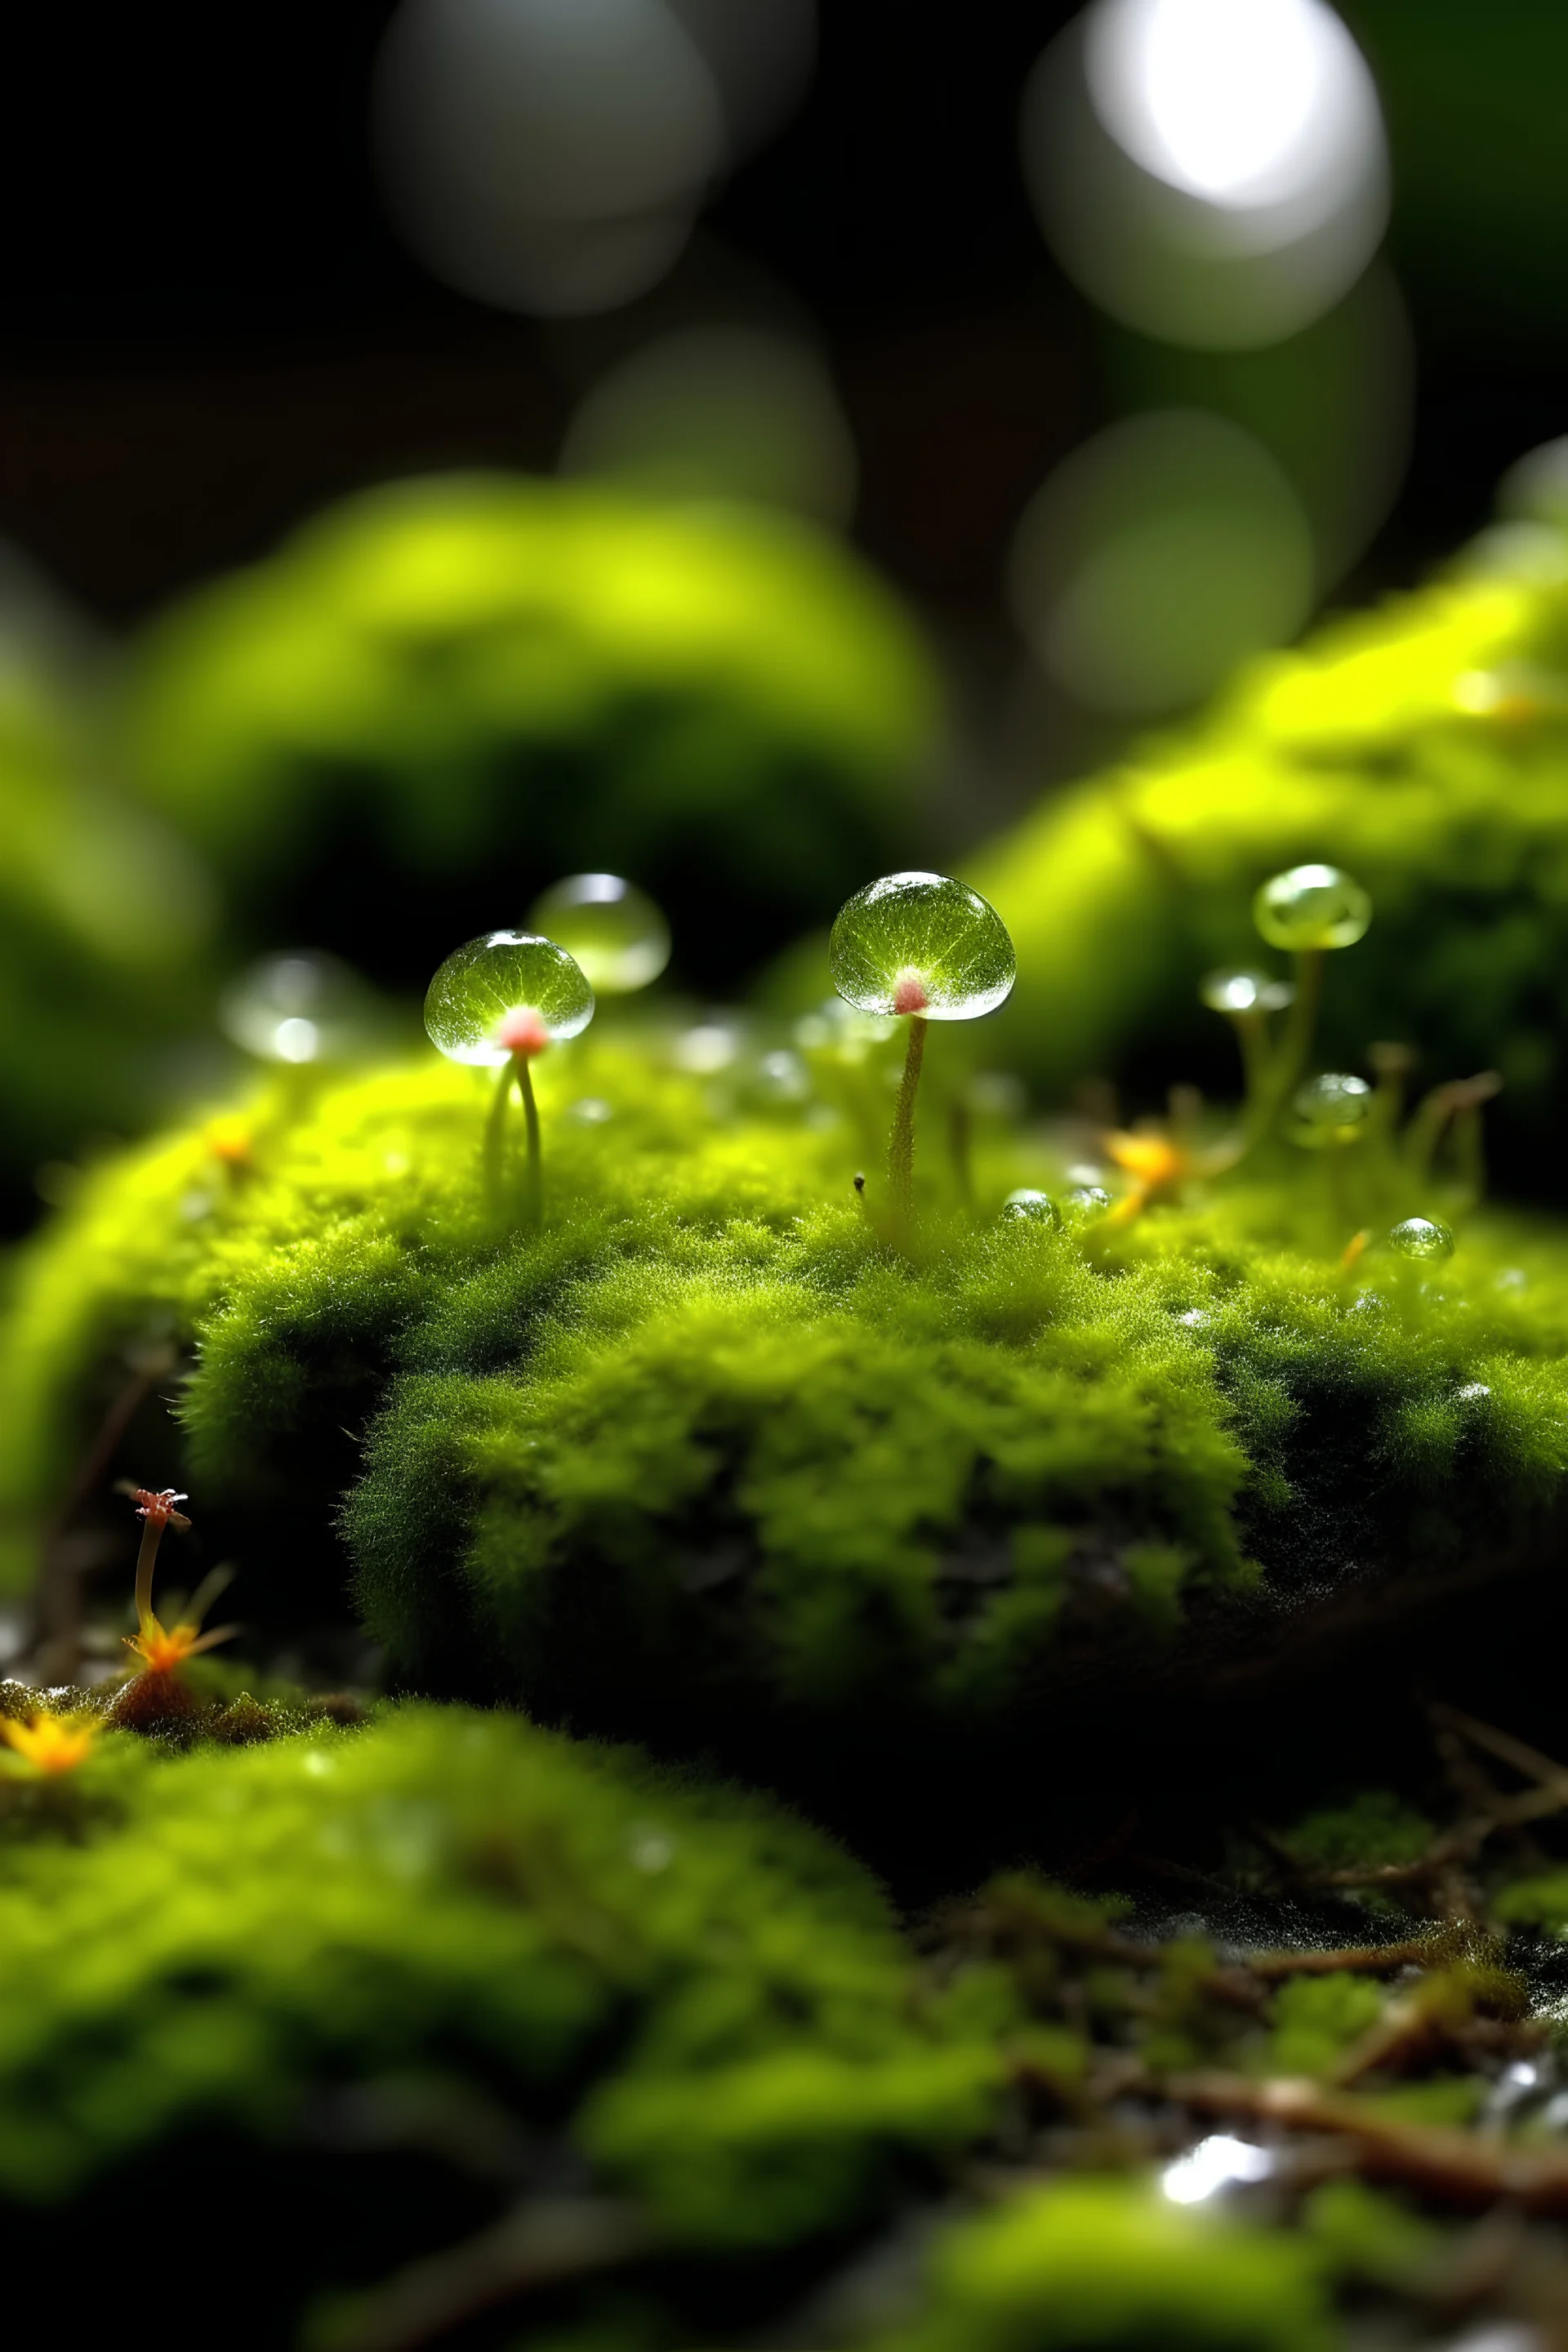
(708, 1462)
(381, 1985)
(1424, 746)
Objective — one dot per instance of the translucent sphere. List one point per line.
(1087, 1201)
(607, 926)
(488, 986)
(1245, 992)
(1312, 906)
(298, 1007)
(1333, 1103)
(1421, 1237)
(921, 943)
(1028, 1206)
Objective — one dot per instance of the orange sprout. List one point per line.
(161, 1647)
(50, 1743)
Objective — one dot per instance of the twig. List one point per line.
(537, 2244)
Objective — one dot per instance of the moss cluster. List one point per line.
(1425, 748)
(706, 1461)
(392, 1982)
(448, 679)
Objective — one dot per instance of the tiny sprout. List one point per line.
(610, 928)
(1311, 908)
(162, 1648)
(1245, 992)
(927, 946)
(296, 1009)
(1026, 1206)
(1422, 1238)
(495, 1004)
(1331, 1107)
(51, 1744)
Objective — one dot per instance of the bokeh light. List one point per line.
(551, 155)
(1155, 558)
(1213, 171)
(731, 411)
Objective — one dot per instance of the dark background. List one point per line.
(207, 326)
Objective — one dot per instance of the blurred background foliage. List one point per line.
(440, 450)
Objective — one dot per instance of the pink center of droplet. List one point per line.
(910, 993)
(522, 1030)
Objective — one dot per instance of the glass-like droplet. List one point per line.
(1421, 1237)
(921, 943)
(501, 973)
(1312, 906)
(607, 926)
(1333, 1103)
(1087, 1201)
(1245, 991)
(300, 1006)
(1028, 1206)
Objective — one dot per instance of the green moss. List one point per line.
(707, 1461)
(277, 1971)
(1316, 2021)
(1107, 2264)
(1425, 748)
(448, 679)
(1374, 1827)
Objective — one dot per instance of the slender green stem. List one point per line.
(1252, 1037)
(151, 1536)
(533, 1179)
(1341, 1223)
(495, 1135)
(1288, 1060)
(901, 1143)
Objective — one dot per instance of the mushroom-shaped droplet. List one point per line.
(506, 993)
(1028, 1206)
(297, 1008)
(928, 947)
(1243, 991)
(497, 1002)
(1331, 1107)
(612, 930)
(1311, 908)
(923, 944)
(1424, 1239)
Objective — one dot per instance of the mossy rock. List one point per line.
(373, 1991)
(445, 682)
(103, 915)
(709, 1463)
(1424, 748)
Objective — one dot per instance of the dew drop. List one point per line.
(1333, 1103)
(1421, 1237)
(921, 943)
(611, 930)
(299, 1008)
(1312, 906)
(1026, 1206)
(1086, 1200)
(488, 984)
(1245, 991)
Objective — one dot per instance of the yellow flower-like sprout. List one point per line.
(163, 1648)
(50, 1743)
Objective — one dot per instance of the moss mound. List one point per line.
(450, 679)
(1107, 2264)
(385, 1987)
(1423, 747)
(707, 1462)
